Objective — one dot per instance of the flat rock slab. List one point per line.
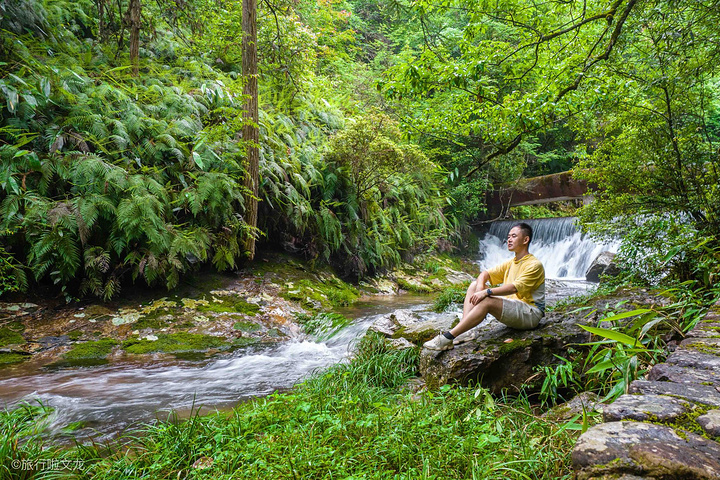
(644, 449)
(710, 422)
(646, 408)
(684, 357)
(695, 393)
(664, 372)
(703, 345)
(499, 357)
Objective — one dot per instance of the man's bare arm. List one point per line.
(481, 289)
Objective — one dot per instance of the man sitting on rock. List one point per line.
(519, 302)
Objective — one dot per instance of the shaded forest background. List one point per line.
(381, 127)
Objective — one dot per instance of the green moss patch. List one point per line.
(244, 342)
(154, 320)
(229, 304)
(329, 292)
(175, 342)
(510, 347)
(91, 350)
(247, 326)
(7, 358)
(75, 335)
(414, 287)
(9, 336)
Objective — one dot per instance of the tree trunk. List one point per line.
(250, 131)
(134, 11)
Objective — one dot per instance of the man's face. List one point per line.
(516, 240)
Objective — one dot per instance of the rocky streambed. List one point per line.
(214, 342)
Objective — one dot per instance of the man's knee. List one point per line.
(470, 290)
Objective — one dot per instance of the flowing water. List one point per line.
(109, 398)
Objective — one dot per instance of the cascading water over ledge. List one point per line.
(565, 252)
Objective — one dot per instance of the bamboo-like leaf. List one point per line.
(611, 335)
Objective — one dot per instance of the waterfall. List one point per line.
(564, 251)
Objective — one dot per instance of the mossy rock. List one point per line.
(509, 347)
(414, 286)
(327, 292)
(229, 304)
(175, 342)
(155, 320)
(7, 358)
(247, 326)
(8, 336)
(244, 342)
(75, 335)
(91, 350)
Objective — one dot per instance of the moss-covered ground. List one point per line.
(269, 293)
(7, 358)
(11, 336)
(91, 350)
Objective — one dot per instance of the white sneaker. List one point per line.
(439, 343)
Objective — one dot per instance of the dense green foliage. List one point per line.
(354, 421)
(107, 177)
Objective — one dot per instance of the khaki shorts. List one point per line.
(520, 315)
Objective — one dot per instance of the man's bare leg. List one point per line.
(467, 306)
(477, 314)
(472, 316)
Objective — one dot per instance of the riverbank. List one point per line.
(278, 298)
(356, 420)
(366, 418)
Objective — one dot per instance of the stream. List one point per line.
(110, 398)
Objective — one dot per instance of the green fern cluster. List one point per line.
(105, 177)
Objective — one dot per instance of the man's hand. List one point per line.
(477, 297)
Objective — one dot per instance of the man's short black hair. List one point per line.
(525, 229)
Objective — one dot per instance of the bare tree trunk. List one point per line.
(101, 19)
(134, 15)
(250, 131)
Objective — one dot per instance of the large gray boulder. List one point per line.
(499, 357)
(604, 264)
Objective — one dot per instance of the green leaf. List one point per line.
(12, 99)
(198, 160)
(611, 334)
(631, 313)
(30, 99)
(607, 364)
(45, 87)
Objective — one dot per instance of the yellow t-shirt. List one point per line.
(528, 276)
